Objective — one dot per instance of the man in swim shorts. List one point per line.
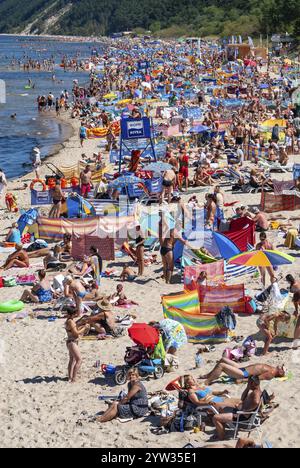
(86, 181)
(235, 371)
(251, 399)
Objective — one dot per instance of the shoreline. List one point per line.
(60, 37)
(68, 132)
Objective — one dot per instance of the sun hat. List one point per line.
(104, 305)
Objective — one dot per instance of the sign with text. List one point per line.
(134, 129)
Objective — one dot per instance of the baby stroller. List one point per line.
(146, 339)
(139, 357)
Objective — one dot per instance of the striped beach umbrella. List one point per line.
(262, 258)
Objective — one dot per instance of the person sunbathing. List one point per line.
(18, 259)
(250, 401)
(41, 292)
(235, 371)
(202, 178)
(268, 325)
(80, 268)
(103, 322)
(94, 294)
(53, 259)
(203, 396)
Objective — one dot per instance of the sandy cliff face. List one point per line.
(46, 22)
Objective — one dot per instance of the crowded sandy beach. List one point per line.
(149, 270)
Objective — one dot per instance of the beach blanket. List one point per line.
(213, 298)
(199, 328)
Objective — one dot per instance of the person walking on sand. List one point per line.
(73, 336)
(82, 134)
(86, 181)
(140, 250)
(3, 183)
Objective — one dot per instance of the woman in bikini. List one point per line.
(73, 335)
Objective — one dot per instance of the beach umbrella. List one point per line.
(199, 129)
(262, 258)
(158, 167)
(124, 181)
(173, 334)
(144, 335)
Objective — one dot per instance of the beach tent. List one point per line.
(27, 220)
(79, 207)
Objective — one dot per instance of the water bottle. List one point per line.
(198, 360)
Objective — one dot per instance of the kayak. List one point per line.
(11, 306)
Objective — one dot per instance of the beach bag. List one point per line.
(250, 305)
(10, 282)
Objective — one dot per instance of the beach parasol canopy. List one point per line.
(124, 181)
(174, 334)
(110, 96)
(199, 129)
(262, 258)
(144, 335)
(158, 167)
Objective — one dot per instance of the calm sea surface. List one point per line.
(18, 136)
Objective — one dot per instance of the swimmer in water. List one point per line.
(13, 116)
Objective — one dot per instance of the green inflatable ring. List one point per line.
(11, 306)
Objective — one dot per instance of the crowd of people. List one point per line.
(219, 147)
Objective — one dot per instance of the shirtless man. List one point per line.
(18, 259)
(86, 181)
(250, 401)
(260, 219)
(104, 321)
(76, 290)
(211, 210)
(168, 185)
(235, 371)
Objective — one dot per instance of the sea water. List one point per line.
(31, 128)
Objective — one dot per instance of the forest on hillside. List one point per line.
(167, 18)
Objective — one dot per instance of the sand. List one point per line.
(40, 409)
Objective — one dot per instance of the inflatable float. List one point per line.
(11, 306)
